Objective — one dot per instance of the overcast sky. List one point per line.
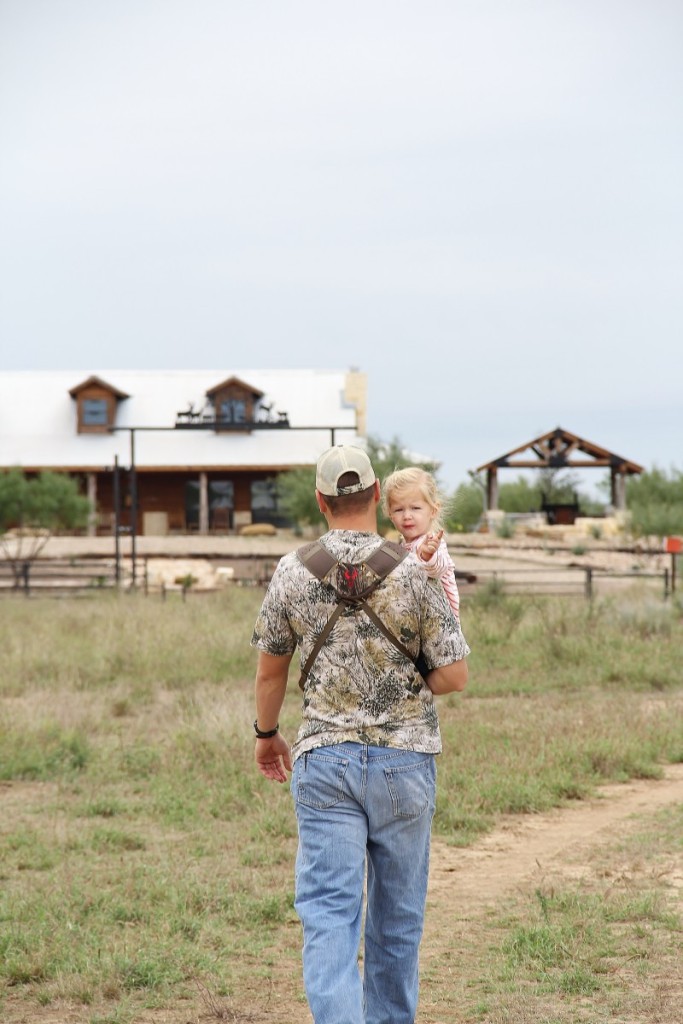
(478, 203)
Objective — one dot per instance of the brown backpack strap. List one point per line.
(316, 558)
(387, 556)
(322, 637)
(382, 561)
(386, 631)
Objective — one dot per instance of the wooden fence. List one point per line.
(580, 581)
(60, 577)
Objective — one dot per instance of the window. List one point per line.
(221, 494)
(96, 405)
(264, 504)
(234, 403)
(95, 412)
(233, 410)
(221, 498)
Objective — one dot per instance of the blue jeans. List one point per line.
(358, 804)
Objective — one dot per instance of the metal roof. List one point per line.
(38, 419)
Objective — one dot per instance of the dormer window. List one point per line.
(97, 402)
(232, 407)
(235, 403)
(232, 410)
(95, 413)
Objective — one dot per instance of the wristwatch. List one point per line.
(266, 734)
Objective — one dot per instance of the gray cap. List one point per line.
(343, 458)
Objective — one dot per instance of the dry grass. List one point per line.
(147, 869)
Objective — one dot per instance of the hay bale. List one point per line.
(258, 530)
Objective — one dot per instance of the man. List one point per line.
(363, 763)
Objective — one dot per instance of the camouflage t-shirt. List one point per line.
(360, 687)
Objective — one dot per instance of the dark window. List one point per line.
(233, 410)
(221, 494)
(95, 412)
(264, 504)
(192, 504)
(263, 496)
(221, 503)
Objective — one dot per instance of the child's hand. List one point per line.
(429, 545)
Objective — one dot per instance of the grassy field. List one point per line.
(146, 869)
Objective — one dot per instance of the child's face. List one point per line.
(411, 514)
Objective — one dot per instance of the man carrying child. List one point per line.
(363, 762)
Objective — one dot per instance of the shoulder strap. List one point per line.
(382, 561)
(316, 558)
(387, 556)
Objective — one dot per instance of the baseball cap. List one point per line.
(343, 458)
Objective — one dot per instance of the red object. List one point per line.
(674, 545)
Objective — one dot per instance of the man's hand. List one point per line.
(274, 758)
(429, 545)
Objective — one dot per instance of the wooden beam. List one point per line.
(569, 464)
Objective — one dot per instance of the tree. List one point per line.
(296, 496)
(32, 509)
(387, 456)
(550, 487)
(466, 507)
(655, 503)
(520, 496)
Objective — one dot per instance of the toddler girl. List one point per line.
(411, 500)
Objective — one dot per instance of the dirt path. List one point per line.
(526, 846)
(469, 887)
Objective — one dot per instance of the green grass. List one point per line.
(144, 860)
(596, 947)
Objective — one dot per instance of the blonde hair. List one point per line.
(412, 478)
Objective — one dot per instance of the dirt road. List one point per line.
(526, 846)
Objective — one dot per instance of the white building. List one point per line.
(205, 446)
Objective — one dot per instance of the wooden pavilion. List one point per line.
(560, 449)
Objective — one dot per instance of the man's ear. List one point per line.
(320, 498)
(378, 492)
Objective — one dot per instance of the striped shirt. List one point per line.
(439, 567)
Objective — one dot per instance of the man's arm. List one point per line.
(449, 678)
(273, 756)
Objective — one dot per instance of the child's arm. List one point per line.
(439, 566)
(433, 556)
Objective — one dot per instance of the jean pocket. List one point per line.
(412, 788)
(319, 780)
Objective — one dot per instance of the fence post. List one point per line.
(666, 584)
(25, 571)
(588, 586)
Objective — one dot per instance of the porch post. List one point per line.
(618, 490)
(203, 504)
(92, 498)
(491, 489)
